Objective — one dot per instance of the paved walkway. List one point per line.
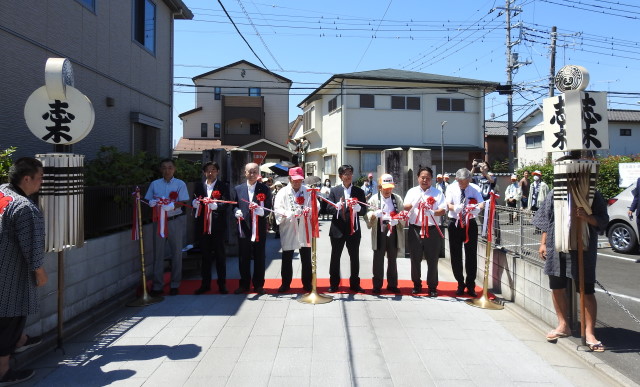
(356, 340)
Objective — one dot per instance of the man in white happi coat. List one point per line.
(292, 208)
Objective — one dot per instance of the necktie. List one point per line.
(463, 213)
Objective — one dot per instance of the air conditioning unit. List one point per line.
(311, 168)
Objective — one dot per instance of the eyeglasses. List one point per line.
(252, 172)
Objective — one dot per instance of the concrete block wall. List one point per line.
(516, 280)
(100, 271)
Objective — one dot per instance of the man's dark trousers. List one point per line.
(457, 236)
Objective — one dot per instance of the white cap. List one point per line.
(439, 175)
(514, 176)
(386, 181)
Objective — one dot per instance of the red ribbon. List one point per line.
(352, 214)
(161, 217)
(315, 223)
(468, 216)
(492, 211)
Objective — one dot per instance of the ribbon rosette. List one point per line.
(173, 196)
(471, 204)
(300, 200)
(161, 217)
(216, 194)
(255, 236)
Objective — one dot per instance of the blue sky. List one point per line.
(307, 42)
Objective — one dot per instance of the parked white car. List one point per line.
(622, 230)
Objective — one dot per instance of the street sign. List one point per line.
(258, 156)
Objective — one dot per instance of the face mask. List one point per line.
(327, 184)
(536, 177)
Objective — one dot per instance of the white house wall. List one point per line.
(274, 90)
(382, 125)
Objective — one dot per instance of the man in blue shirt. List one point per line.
(165, 196)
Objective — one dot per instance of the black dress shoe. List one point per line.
(240, 290)
(357, 289)
(201, 290)
(174, 292)
(460, 291)
(259, 290)
(333, 289)
(472, 293)
(433, 293)
(223, 290)
(307, 289)
(283, 289)
(156, 293)
(416, 290)
(393, 289)
(376, 290)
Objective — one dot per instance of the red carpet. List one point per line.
(445, 289)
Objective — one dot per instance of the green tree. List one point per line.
(5, 163)
(113, 167)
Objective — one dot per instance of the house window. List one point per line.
(625, 132)
(144, 24)
(203, 129)
(254, 129)
(217, 130)
(413, 103)
(254, 92)
(369, 161)
(333, 104)
(401, 102)
(397, 102)
(90, 4)
(216, 93)
(534, 141)
(330, 165)
(450, 104)
(309, 119)
(367, 101)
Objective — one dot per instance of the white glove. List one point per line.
(238, 214)
(195, 203)
(339, 206)
(458, 208)
(253, 205)
(152, 203)
(259, 211)
(168, 207)
(213, 206)
(378, 213)
(297, 212)
(357, 207)
(431, 213)
(475, 211)
(288, 214)
(393, 222)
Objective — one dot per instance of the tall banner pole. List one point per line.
(314, 297)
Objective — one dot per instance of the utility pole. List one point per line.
(510, 86)
(552, 72)
(512, 64)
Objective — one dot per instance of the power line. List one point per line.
(373, 36)
(240, 33)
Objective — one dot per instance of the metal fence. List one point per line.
(514, 232)
(109, 209)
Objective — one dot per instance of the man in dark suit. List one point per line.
(345, 228)
(251, 197)
(212, 232)
(635, 204)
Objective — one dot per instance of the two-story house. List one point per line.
(122, 58)
(624, 136)
(239, 105)
(352, 117)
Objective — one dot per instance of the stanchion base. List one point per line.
(314, 298)
(484, 303)
(145, 300)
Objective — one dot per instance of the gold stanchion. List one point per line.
(146, 298)
(314, 297)
(484, 302)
